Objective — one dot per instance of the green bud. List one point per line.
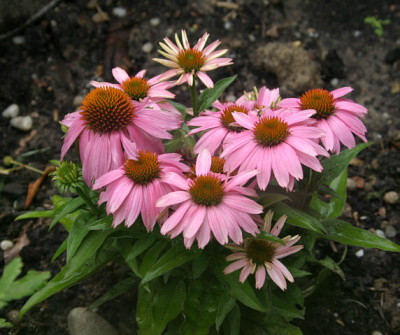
(67, 177)
(8, 160)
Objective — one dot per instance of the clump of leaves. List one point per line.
(377, 24)
(12, 289)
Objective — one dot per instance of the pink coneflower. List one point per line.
(275, 142)
(137, 87)
(339, 118)
(219, 124)
(210, 203)
(134, 187)
(191, 62)
(258, 255)
(266, 98)
(106, 122)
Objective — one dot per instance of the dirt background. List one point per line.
(46, 68)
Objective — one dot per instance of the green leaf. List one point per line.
(60, 250)
(115, 291)
(334, 208)
(35, 214)
(288, 304)
(232, 324)
(298, 218)
(243, 292)
(330, 264)
(225, 306)
(78, 232)
(12, 289)
(263, 235)
(268, 199)
(151, 256)
(276, 325)
(210, 95)
(346, 233)
(66, 208)
(201, 306)
(336, 164)
(159, 306)
(174, 257)
(87, 259)
(5, 324)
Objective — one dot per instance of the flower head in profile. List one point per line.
(137, 87)
(134, 187)
(210, 204)
(276, 144)
(261, 256)
(218, 125)
(264, 98)
(107, 122)
(339, 118)
(191, 62)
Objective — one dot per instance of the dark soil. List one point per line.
(65, 49)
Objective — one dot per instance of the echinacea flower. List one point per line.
(134, 187)
(257, 255)
(107, 121)
(339, 118)
(218, 125)
(191, 62)
(275, 143)
(137, 87)
(209, 203)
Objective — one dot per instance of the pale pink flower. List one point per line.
(218, 125)
(339, 118)
(191, 62)
(137, 87)
(264, 98)
(276, 143)
(256, 255)
(134, 187)
(106, 124)
(211, 203)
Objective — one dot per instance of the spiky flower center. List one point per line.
(320, 100)
(136, 87)
(107, 109)
(144, 169)
(207, 190)
(227, 117)
(270, 131)
(191, 60)
(260, 251)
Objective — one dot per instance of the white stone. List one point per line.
(6, 244)
(18, 40)
(357, 33)
(351, 184)
(22, 123)
(155, 21)
(334, 82)
(147, 47)
(11, 111)
(228, 25)
(391, 197)
(380, 233)
(84, 322)
(390, 231)
(119, 12)
(360, 253)
(376, 332)
(252, 38)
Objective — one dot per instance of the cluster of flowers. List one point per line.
(244, 146)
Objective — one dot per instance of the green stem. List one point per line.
(194, 98)
(83, 194)
(27, 167)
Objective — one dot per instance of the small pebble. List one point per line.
(230, 97)
(155, 21)
(11, 111)
(84, 322)
(334, 82)
(18, 40)
(391, 197)
(100, 17)
(390, 231)
(380, 233)
(78, 100)
(119, 12)
(22, 122)
(6, 244)
(13, 316)
(376, 332)
(357, 33)
(147, 47)
(351, 184)
(228, 25)
(360, 253)
(252, 38)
